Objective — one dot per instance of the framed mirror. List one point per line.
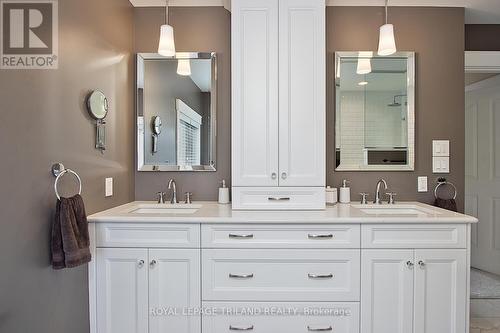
(176, 112)
(374, 111)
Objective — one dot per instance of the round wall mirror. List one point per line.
(97, 105)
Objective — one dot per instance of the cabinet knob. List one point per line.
(140, 263)
(421, 264)
(284, 175)
(274, 175)
(152, 263)
(409, 264)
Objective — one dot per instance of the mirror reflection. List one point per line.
(374, 111)
(176, 112)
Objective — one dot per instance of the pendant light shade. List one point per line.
(386, 42)
(364, 63)
(184, 67)
(166, 46)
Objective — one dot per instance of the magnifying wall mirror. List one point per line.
(97, 106)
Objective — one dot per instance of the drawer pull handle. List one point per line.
(320, 276)
(278, 199)
(320, 329)
(329, 236)
(241, 236)
(239, 328)
(241, 276)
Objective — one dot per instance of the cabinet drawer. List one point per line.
(414, 236)
(297, 318)
(278, 198)
(281, 275)
(148, 235)
(280, 236)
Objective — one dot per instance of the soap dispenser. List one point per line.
(223, 193)
(345, 192)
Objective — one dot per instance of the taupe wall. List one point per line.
(196, 29)
(42, 121)
(482, 37)
(437, 37)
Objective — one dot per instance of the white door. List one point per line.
(174, 284)
(122, 289)
(302, 109)
(387, 291)
(482, 172)
(440, 291)
(255, 92)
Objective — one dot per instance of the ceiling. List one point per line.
(477, 11)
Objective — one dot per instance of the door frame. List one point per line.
(482, 61)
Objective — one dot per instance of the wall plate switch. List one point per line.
(109, 187)
(422, 184)
(441, 164)
(441, 148)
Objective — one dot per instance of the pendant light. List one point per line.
(364, 63)
(166, 46)
(184, 67)
(386, 43)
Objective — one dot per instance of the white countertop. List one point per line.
(212, 212)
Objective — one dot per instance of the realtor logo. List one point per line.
(29, 32)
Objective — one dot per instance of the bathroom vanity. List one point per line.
(362, 268)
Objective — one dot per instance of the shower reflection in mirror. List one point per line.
(374, 111)
(176, 112)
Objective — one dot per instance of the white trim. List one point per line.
(182, 3)
(484, 84)
(482, 61)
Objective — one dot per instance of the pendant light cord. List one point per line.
(166, 12)
(386, 4)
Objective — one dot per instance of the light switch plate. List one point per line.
(441, 164)
(422, 184)
(109, 187)
(441, 148)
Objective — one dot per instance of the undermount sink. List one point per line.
(412, 210)
(166, 209)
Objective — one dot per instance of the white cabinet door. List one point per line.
(440, 291)
(302, 62)
(254, 92)
(122, 290)
(386, 291)
(174, 283)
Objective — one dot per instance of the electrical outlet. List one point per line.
(422, 184)
(109, 187)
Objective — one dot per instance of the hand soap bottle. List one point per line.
(223, 193)
(345, 192)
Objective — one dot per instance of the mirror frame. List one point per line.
(140, 149)
(411, 123)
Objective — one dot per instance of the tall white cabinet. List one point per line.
(278, 104)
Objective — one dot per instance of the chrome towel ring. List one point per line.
(443, 181)
(58, 170)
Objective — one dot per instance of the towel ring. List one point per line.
(444, 182)
(59, 171)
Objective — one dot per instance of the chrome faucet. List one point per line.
(172, 186)
(377, 191)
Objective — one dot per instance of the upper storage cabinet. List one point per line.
(278, 97)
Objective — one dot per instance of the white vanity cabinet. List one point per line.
(140, 290)
(278, 104)
(420, 290)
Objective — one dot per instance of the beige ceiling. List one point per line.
(477, 11)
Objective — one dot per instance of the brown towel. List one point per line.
(449, 204)
(70, 234)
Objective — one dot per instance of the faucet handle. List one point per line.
(188, 196)
(364, 197)
(161, 197)
(391, 195)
